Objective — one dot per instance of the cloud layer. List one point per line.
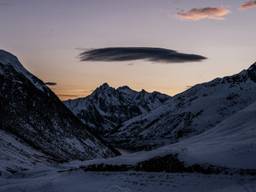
(248, 5)
(138, 53)
(217, 13)
(49, 83)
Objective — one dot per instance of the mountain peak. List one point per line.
(252, 72)
(7, 58)
(124, 88)
(6, 53)
(252, 67)
(104, 86)
(143, 91)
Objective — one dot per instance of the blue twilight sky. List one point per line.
(48, 35)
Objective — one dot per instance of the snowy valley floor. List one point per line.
(80, 181)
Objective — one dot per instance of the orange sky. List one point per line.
(46, 35)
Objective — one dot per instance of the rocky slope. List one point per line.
(37, 120)
(107, 108)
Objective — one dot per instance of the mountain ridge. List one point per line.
(189, 113)
(107, 107)
(31, 112)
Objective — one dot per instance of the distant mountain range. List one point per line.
(140, 120)
(107, 108)
(35, 125)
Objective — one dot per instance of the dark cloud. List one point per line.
(217, 13)
(138, 53)
(248, 5)
(50, 83)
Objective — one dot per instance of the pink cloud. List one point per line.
(248, 5)
(217, 13)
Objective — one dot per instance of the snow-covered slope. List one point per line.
(190, 113)
(230, 144)
(16, 155)
(106, 108)
(81, 181)
(32, 113)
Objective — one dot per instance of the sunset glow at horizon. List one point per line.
(49, 35)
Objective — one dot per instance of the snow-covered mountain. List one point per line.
(33, 117)
(228, 146)
(228, 150)
(190, 113)
(107, 108)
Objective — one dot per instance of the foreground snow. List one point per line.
(80, 181)
(16, 156)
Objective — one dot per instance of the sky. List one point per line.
(48, 36)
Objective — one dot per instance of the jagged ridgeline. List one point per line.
(107, 108)
(190, 113)
(140, 120)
